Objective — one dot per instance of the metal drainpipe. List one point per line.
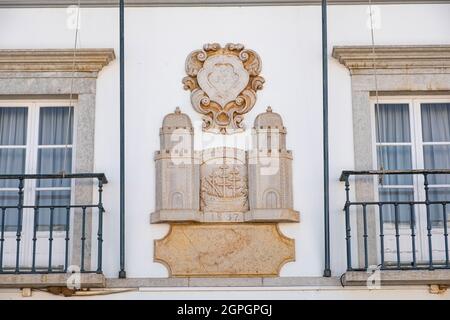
(326, 186)
(122, 273)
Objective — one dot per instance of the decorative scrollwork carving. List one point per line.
(223, 82)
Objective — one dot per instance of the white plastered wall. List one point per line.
(288, 40)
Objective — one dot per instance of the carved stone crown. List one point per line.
(223, 84)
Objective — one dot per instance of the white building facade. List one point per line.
(67, 105)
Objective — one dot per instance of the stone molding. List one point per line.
(255, 215)
(391, 59)
(55, 60)
(221, 282)
(198, 3)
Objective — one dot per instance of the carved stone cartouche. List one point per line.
(223, 84)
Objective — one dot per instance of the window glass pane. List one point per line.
(52, 198)
(13, 126)
(436, 122)
(13, 131)
(394, 195)
(54, 160)
(12, 161)
(436, 210)
(395, 158)
(55, 125)
(437, 157)
(392, 123)
(9, 198)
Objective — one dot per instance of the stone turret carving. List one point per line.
(270, 170)
(269, 132)
(177, 170)
(176, 133)
(224, 184)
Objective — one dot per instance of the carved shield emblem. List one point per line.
(223, 77)
(223, 82)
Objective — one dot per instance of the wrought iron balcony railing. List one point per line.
(40, 237)
(403, 223)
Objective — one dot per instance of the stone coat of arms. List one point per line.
(223, 84)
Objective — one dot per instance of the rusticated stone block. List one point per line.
(234, 249)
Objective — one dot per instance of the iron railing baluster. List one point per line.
(100, 227)
(444, 211)
(429, 227)
(2, 238)
(67, 239)
(381, 218)
(83, 237)
(19, 224)
(365, 236)
(397, 234)
(347, 224)
(35, 226)
(413, 234)
(50, 240)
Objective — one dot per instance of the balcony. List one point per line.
(50, 228)
(398, 225)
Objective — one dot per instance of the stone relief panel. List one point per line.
(223, 204)
(224, 186)
(223, 82)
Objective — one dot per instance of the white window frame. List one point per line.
(417, 161)
(31, 156)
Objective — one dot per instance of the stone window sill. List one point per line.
(87, 280)
(398, 277)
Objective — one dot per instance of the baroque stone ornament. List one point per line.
(223, 82)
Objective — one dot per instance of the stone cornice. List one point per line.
(55, 60)
(361, 58)
(203, 3)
